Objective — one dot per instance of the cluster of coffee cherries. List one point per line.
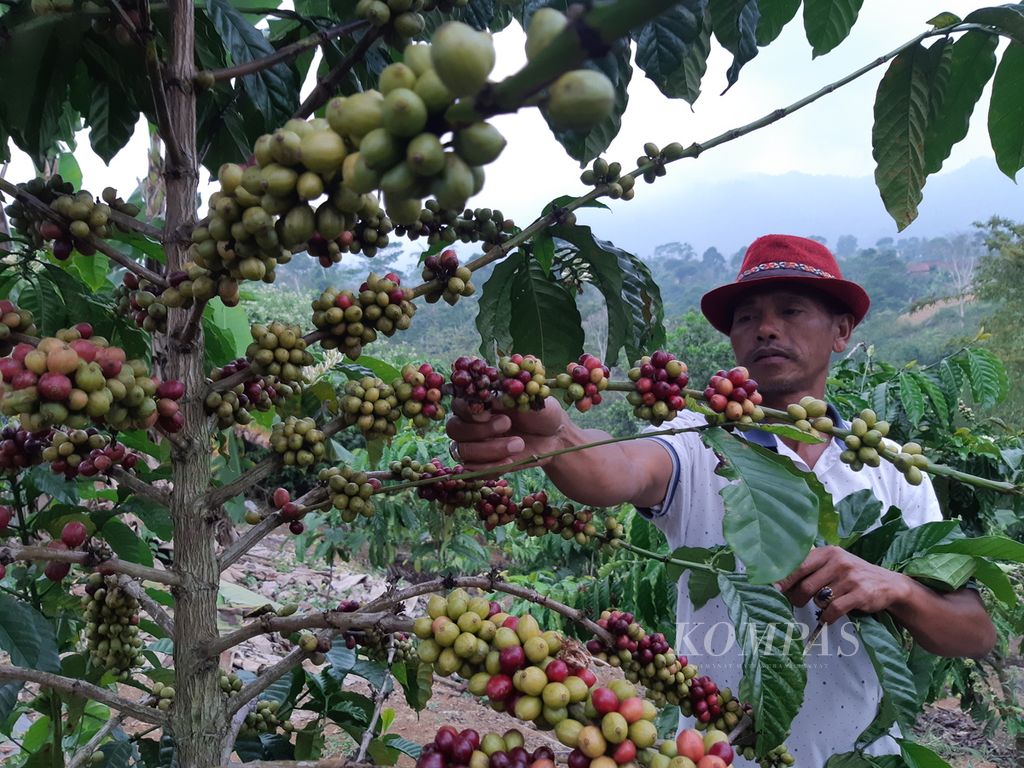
(466, 749)
(234, 406)
(453, 280)
(602, 173)
(734, 394)
(522, 384)
(20, 448)
(420, 391)
(86, 452)
(279, 350)
(351, 491)
(75, 378)
(162, 695)
(583, 382)
(289, 511)
(708, 749)
(476, 225)
(618, 727)
(659, 380)
(497, 504)
(910, 460)
(473, 381)
(372, 406)
(13, 319)
(450, 494)
(72, 536)
(377, 645)
(299, 441)
(538, 518)
(507, 659)
(140, 300)
(654, 159)
(264, 719)
(354, 320)
(645, 658)
(111, 625)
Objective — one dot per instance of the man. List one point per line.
(786, 313)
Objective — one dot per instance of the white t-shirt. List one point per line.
(842, 693)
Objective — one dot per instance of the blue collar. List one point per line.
(767, 439)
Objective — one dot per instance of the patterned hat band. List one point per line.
(783, 269)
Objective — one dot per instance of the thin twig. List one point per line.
(284, 53)
(379, 697)
(195, 323)
(127, 23)
(87, 690)
(163, 115)
(82, 755)
(326, 87)
(338, 620)
(255, 474)
(138, 486)
(256, 533)
(156, 611)
(124, 221)
(267, 678)
(11, 552)
(237, 721)
(98, 243)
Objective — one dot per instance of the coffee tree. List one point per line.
(114, 400)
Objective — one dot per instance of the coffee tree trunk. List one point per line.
(198, 712)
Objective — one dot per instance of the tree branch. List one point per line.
(379, 697)
(326, 87)
(237, 720)
(124, 221)
(156, 611)
(266, 679)
(138, 486)
(257, 472)
(195, 323)
(285, 53)
(163, 115)
(12, 552)
(101, 245)
(82, 756)
(337, 620)
(256, 533)
(87, 690)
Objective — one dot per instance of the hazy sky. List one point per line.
(832, 136)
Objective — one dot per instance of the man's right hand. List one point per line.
(494, 438)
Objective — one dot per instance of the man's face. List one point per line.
(785, 339)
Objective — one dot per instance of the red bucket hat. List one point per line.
(784, 259)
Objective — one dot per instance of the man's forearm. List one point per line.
(635, 472)
(953, 624)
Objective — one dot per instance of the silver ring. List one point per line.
(824, 597)
(453, 451)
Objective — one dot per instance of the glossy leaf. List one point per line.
(912, 398)
(701, 586)
(545, 321)
(899, 702)
(125, 543)
(857, 513)
(897, 138)
(1006, 111)
(775, 14)
(632, 297)
(986, 376)
(995, 547)
(494, 309)
(29, 640)
(672, 49)
(774, 674)
(943, 572)
(919, 756)
(971, 66)
(909, 543)
(111, 120)
(849, 760)
(734, 23)
(995, 578)
(772, 508)
(828, 22)
(1007, 19)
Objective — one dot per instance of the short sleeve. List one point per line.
(682, 450)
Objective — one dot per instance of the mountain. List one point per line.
(729, 214)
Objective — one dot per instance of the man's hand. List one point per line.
(856, 584)
(495, 438)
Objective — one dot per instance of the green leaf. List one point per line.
(29, 640)
(1008, 20)
(546, 322)
(857, 513)
(775, 14)
(940, 405)
(494, 310)
(735, 23)
(912, 398)
(943, 572)
(873, 545)
(274, 91)
(1006, 111)
(369, 366)
(543, 248)
(995, 547)
(632, 297)
(69, 170)
(918, 756)
(702, 585)
(125, 543)
(972, 64)
(91, 270)
(787, 431)
(828, 22)
(233, 594)
(897, 138)
(995, 578)
(986, 376)
(772, 509)
(111, 120)
(849, 760)
(584, 147)
(916, 540)
(944, 19)
(672, 49)
(899, 702)
(154, 516)
(774, 674)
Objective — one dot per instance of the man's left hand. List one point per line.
(856, 584)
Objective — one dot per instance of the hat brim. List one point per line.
(719, 303)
